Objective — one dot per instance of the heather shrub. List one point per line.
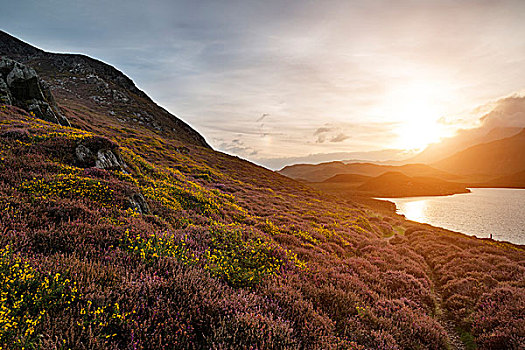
(98, 142)
(499, 320)
(229, 253)
(69, 186)
(16, 134)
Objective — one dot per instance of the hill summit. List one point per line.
(97, 93)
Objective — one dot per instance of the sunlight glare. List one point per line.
(418, 109)
(414, 210)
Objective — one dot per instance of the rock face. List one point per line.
(137, 202)
(20, 86)
(100, 153)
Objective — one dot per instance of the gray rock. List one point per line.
(20, 86)
(99, 157)
(83, 154)
(106, 159)
(138, 203)
(119, 96)
(5, 93)
(6, 65)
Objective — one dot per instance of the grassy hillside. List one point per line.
(223, 253)
(126, 231)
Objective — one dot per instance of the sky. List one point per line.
(278, 82)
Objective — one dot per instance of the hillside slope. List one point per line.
(496, 158)
(94, 93)
(347, 178)
(181, 246)
(120, 236)
(516, 180)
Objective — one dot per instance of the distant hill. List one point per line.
(389, 184)
(396, 184)
(516, 180)
(324, 171)
(496, 158)
(463, 140)
(348, 178)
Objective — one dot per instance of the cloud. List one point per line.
(322, 130)
(237, 147)
(262, 117)
(339, 138)
(321, 68)
(506, 112)
(320, 139)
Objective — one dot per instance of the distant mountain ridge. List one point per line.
(496, 158)
(397, 184)
(94, 92)
(465, 139)
(324, 171)
(498, 163)
(516, 180)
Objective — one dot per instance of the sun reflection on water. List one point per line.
(414, 210)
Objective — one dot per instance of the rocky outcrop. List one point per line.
(137, 202)
(20, 86)
(100, 153)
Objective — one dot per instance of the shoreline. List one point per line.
(510, 230)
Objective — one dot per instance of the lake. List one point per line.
(485, 211)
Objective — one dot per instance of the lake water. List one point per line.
(485, 211)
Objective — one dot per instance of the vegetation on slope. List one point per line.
(223, 253)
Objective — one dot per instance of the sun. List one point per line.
(416, 110)
(417, 135)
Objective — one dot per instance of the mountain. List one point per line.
(396, 184)
(95, 93)
(347, 178)
(516, 180)
(496, 158)
(463, 140)
(116, 234)
(389, 184)
(324, 171)
(314, 172)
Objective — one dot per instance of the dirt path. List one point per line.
(455, 342)
(454, 339)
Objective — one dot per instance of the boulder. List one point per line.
(20, 86)
(100, 153)
(106, 159)
(137, 202)
(5, 93)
